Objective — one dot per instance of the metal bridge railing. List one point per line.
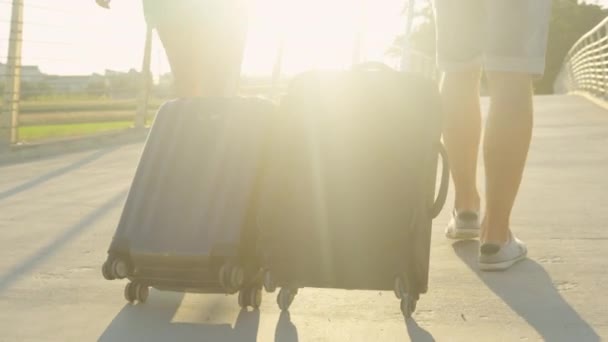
(585, 66)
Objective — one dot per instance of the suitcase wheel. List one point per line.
(408, 305)
(269, 284)
(136, 292)
(106, 271)
(120, 268)
(398, 287)
(231, 277)
(286, 297)
(408, 300)
(115, 268)
(250, 297)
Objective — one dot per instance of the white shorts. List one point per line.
(497, 35)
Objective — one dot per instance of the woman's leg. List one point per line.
(204, 42)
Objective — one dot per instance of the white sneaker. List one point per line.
(494, 257)
(463, 225)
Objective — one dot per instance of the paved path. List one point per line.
(57, 217)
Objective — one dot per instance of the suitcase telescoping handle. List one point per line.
(445, 181)
(372, 66)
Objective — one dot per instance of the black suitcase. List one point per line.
(349, 191)
(188, 221)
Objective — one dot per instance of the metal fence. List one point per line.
(31, 96)
(585, 66)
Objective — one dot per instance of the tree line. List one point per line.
(570, 19)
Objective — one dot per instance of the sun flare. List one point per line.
(77, 37)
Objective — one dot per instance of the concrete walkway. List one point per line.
(58, 215)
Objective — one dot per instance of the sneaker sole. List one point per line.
(462, 233)
(501, 266)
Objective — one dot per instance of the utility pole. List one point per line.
(359, 34)
(406, 57)
(277, 70)
(144, 88)
(9, 116)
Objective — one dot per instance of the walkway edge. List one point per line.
(33, 151)
(601, 103)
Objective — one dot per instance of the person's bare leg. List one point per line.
(461, 134)
(205, 56)
(506, 143)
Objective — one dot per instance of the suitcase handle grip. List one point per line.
(445, 181)
(372, 66)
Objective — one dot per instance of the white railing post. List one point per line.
(593, 63)
(572, 82)
(603, 61)
(144, 90)
(585, 66)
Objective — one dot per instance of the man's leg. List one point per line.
(461, 134)
(506, 143)
(513, 54)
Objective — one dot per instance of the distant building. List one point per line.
(72, 84)
(29, 73)
(116, 84)
(121, 85)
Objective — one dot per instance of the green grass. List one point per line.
(45, 132)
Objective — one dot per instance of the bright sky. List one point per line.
(77, 37)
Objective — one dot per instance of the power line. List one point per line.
(28, 1)
(45, 59)
(40, 42)
(44, 8)
(27, 23)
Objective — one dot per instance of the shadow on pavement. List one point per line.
(54, 174)
(8, 278)
(286, 331)
(154, 322)
(416, 333)
(529, 291)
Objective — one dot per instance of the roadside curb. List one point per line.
(32, 151)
